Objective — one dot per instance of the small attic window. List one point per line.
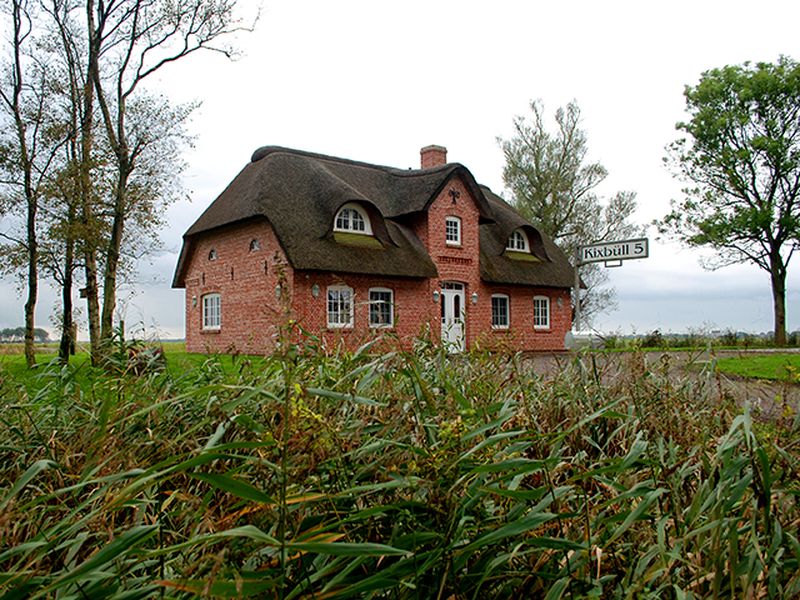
(255, 244)
(212, 254)
(518, 241)
(352, 218)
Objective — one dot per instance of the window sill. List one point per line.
(358, 239)
(210, 331)
(542, 329)
(453, 244)
(499, 329)
(521, 256)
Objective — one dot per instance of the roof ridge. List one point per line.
(265, 151)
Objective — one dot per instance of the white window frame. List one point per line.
(344, 222)
(508, 311)
(456, 222)
(211, 307)
(518, 241)
(541, 321)
(338, 314)
(381, 290)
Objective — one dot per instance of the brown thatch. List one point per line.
(553, 268)
(299, 193)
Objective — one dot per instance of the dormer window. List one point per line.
(518, 241)
(351, 218)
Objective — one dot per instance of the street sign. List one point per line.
(613, 251)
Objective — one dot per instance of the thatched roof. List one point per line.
(299, 193)
(553, 268)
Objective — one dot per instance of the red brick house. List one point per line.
(352, 250)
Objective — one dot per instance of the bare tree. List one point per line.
(31, 146)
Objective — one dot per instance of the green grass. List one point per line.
(318, 473)
(776, 367)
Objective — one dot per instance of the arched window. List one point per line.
(212, 254)
(518, 241)
(255, 244)
(351, 218)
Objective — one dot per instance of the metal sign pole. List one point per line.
(577, 289)
(612, 254)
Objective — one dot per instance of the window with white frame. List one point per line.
(500, 312)
(452, 231)
(517, 241)
(381, 307)
(352, 218)
(340, 306)
(212, 311)
(541, 312)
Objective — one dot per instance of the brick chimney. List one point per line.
(432, 156)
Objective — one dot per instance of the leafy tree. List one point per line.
(740, 155)
(135, 39)
(553, 185)
(118, 155)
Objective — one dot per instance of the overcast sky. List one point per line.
(376, 81)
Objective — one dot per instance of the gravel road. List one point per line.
(768, 400)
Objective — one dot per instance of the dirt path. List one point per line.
(769, 400)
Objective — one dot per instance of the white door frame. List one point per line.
(453, 314)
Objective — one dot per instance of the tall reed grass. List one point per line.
(319, 473)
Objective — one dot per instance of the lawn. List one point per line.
(776, 367)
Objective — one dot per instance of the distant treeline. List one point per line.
(17, 334)
(725, 338)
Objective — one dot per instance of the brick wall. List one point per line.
(461, 264)
(412, 308)
(246, 281)
(252, 311)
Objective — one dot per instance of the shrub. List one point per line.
(654, 339)
(400, 475)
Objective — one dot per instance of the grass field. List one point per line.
(324, 474)
(777, 367)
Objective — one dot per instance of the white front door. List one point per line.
(453, 330)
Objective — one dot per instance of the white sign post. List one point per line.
(610, 253)
(613, 251)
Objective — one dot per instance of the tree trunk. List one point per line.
(19, 14)
(778, 278)
(112, 260)
(87, 142)
(92, 306)
(33, 270)
(67, 333)
(33, 287)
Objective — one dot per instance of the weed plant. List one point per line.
(322, 473)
